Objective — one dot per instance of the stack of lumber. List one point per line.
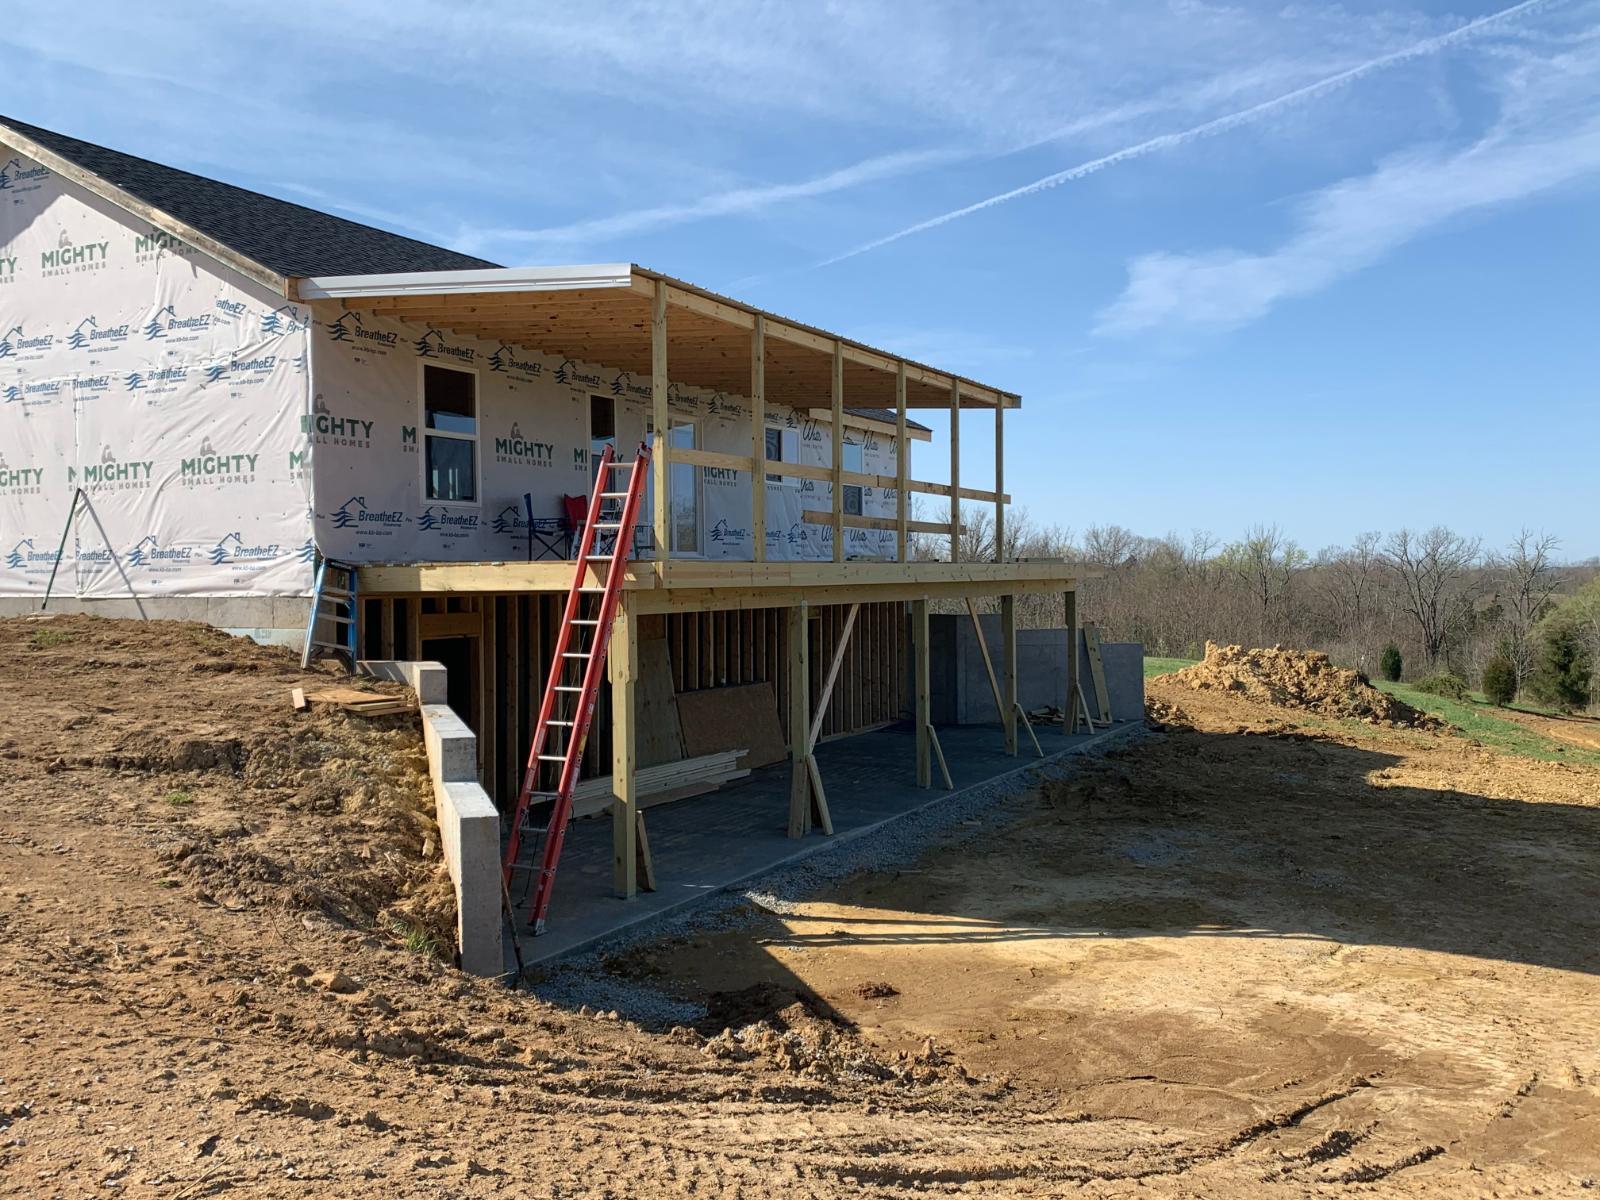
(366, 704)
(663, 784)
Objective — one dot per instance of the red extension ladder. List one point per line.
(612, 513)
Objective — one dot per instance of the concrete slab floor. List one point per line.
(711, 843)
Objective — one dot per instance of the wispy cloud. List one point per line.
(1549, 135)
(1169, 141)
(732, 202)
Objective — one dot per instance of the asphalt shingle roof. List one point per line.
(286, 238)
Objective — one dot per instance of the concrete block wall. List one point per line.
(469, 823)
(960, 685)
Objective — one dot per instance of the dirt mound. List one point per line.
(1301, 679)
(184, 738)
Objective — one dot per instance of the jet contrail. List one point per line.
(1222, 124)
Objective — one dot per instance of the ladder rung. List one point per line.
(613, 495)
(608, 524)
(618, 464)
(553, 721)
(574, 654)
(607, 557)
(552, 758)
(561, 688)
(583, 621)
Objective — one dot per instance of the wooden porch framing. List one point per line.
(801, 591)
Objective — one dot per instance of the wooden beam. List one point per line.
(623, 666)
(758, 436)
(902, 462)
(955, 470)
(1000, 485)
(838, 451)
(1070, 718)
(710, 458)
(1008, 668)
(988, 666)
(799, 719)
(832, 677)
(661, 491)
(923, 685)
(456, 624)
(413, 580)
(812, 517)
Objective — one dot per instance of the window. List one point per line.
(684, 486)
(856, 462)
(783, 445)
(450, 422)
(602, 429)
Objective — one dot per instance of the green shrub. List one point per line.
(1390, 664)
(1443, 683)
(1564, 670)
(1499, 681)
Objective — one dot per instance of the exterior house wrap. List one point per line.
(166, 386)
(224, 435)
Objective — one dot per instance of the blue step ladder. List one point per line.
(331, 627)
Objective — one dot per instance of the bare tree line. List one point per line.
(1444, 598)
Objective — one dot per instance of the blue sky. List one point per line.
(1333, 266)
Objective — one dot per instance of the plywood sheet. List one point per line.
(733, 718)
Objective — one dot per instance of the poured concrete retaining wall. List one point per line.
(960, 685)
(469, 823)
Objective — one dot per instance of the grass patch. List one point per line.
(1479, 722)
(416, 939)
(180, 798)
(1165, 666)
(43, 639)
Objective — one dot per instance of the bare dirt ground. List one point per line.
(1263, 954)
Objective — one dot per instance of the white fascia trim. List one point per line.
(488, 279)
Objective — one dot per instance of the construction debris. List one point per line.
(352, 700)
(665, 783)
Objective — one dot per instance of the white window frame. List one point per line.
(424, 433)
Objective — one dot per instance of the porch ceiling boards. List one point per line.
(605, 318)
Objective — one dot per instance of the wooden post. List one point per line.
(1008, 669)
(955, 470)
(623, 667)
(799, 719)
(1000, 482)
(661, 492)
(924, 681)
(758, 435)
(1070, 718)
(838, 451)
(902, 464)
